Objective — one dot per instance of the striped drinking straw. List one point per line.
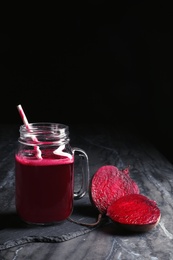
(25, 121)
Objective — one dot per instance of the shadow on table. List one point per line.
(10, 220)
(117, 230)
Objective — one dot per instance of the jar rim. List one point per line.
(36, 124)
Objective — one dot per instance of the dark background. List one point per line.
(94, 63)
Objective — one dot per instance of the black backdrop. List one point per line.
(96, 63)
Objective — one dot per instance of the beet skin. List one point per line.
(109, 184)
(135, 212)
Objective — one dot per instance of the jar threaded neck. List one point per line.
(44, 133)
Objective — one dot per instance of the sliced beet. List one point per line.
(109, 184)
(135, 212)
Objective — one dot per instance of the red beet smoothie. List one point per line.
(44, 188)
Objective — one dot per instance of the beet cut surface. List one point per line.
(135, 212)
(109, 184)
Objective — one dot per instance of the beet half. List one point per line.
(109, 184)
(135, 212)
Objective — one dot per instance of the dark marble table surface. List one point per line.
(104, 145)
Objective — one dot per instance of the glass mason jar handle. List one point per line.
(85, 172)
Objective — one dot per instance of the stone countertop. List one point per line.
(104, 145)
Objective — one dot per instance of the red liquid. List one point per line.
(44, 189)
